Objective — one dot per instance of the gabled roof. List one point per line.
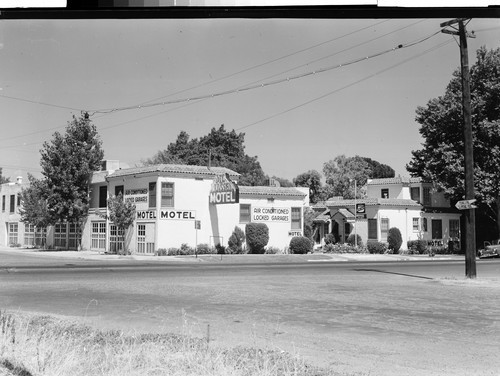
(323, 217)
(372, 202)
(396, 180)
(270, 191)
(174, 169)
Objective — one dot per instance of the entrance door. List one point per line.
(146, 238)
(437, 229)
(98, 236)
(116, 239)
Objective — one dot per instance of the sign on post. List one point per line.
(466, 204)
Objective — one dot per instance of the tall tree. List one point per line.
(218, 148)
(379, 170)
(312, 180)
(68, 162)
(34, 203)
(122, 214)
(441, 159)
(3, 179)
(341, 172)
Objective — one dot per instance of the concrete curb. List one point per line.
(227, 259)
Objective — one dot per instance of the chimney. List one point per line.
(19, 180)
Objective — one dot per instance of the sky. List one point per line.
(330, 86)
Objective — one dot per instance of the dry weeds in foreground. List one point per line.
(43, 345)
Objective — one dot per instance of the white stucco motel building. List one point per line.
(181, 204)
(410, 204)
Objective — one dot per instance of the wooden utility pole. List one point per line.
(470, 218)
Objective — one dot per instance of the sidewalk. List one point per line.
(237, 259)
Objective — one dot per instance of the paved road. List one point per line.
(413, 318)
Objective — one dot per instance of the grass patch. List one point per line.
(44, 345)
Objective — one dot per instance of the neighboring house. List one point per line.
(410, 204)
(13, 232)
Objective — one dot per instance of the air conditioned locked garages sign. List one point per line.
(262, 214)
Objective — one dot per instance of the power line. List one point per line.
(40, 103)
(339, 52)
(266, 84)
(346, 86)
(267, 62)
(187, 89)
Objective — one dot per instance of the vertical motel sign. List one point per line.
(224, 191)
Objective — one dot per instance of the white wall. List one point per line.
(191, 202)
(395, 191)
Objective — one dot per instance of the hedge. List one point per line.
(376, 247)
(394, 239)
(300, 245)
(257, 236)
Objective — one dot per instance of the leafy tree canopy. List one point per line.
(68, 162)
(441, 158)
(3, 179)
(34, 205)
(341, 172)
(311, 179)
(225, 149)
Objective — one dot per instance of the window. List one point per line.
(60, 235)
(18, 200)
(40, 236)
(167, 195)
(29, 235)
(145, 238)
(12, 203)
(416, 222)
(372, 229)
(245, 213)
(116, 239)
(415, 193)
(384, 193)
(98, 236)
(103, 193)
(424, 224)
(296, 219)
(13, 232)
(3, 203)
(152, 195)
(384, 229)
(72, 236)
(437, 229)
(454, 228)
(427, 196)
(119, 189)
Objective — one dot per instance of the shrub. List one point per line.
(236, 240)
(221, 250)
(273, 250)
(204, 249)
(161, 252)
(257, 235)
(394, 239)
(350, 240)
(330, 239)
(376, 247)
(343, 248)
(418, 247)
(300, 245)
